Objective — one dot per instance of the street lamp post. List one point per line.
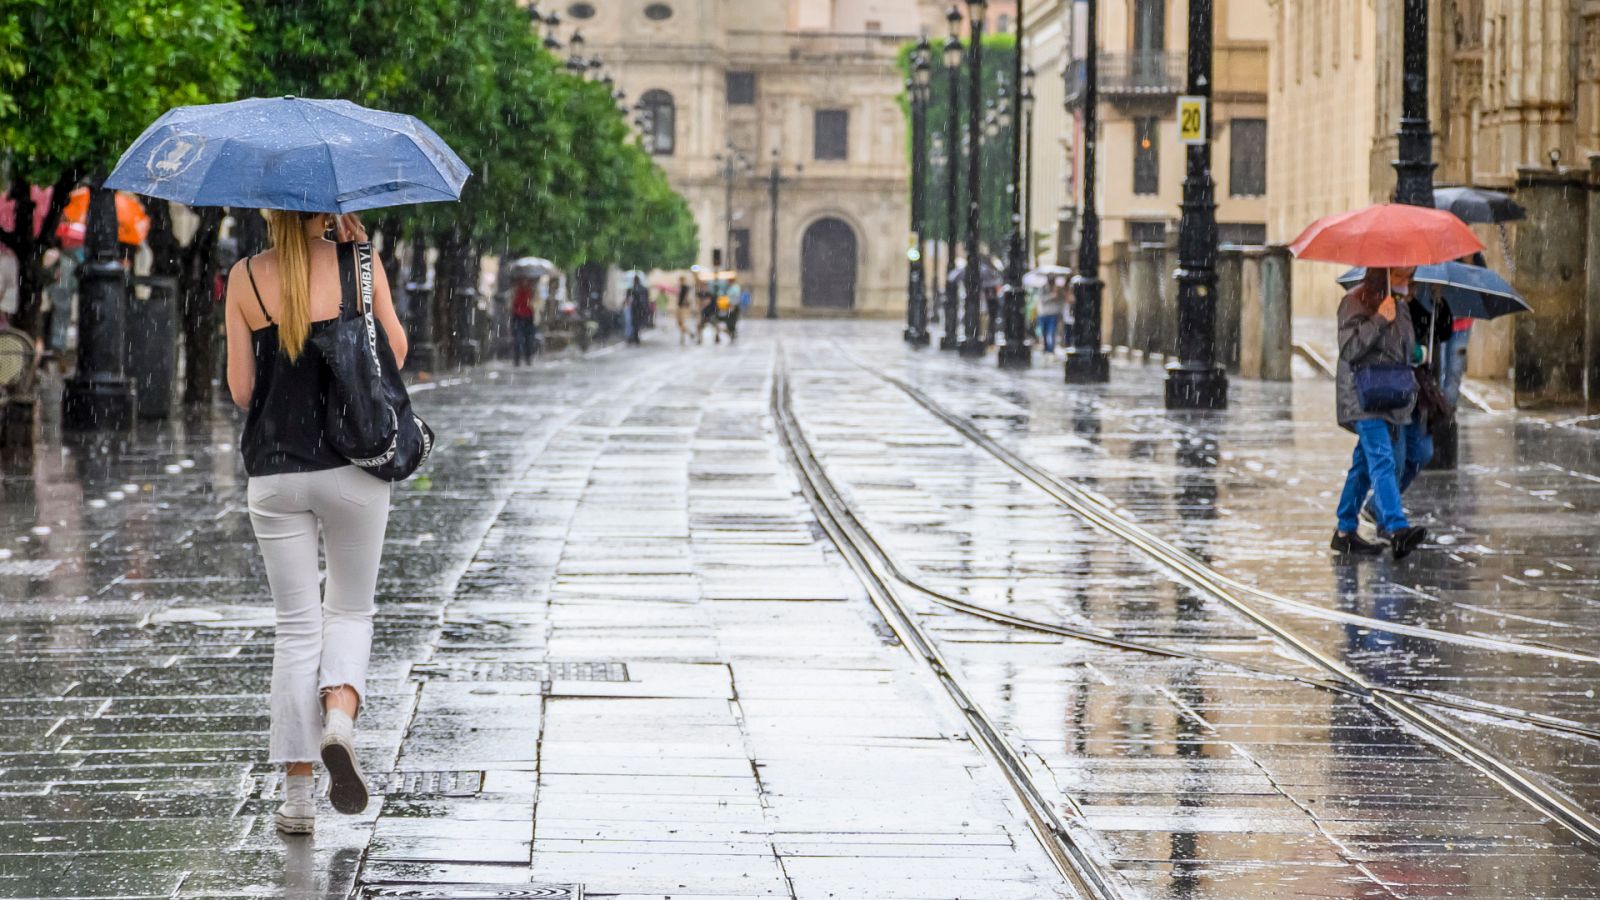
(972, 343)
(938, 170)
(1027, 143)
(1195, 381)
(775, 180)
(1087, 362)
(733, 164)
(953, 55)
(98, 396)
(1013, 305)
(917, 295)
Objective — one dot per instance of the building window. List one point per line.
(874, 26)
(832, 134)
(1146, 155)
(658, 12)
(741, 249)
(1247, 234)
(660, 122)
(581, 11)
(1002, 24)
(741, 88)
(1147, 232)
(1247, 160)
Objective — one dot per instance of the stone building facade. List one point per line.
(1513, 85)
(810, 86)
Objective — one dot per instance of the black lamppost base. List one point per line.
(916, 338)
(973, 349)
(97, 404)
(1087, 367)
(1018, 356)
(949, 342)
(1197, 388)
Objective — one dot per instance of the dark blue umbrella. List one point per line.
(1478, 205)
(1472, 292)
(290, 153)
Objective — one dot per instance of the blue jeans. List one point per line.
(1372, 470)
(524, 340)
(1047, 329)
(1453, 365)
(1413, 449)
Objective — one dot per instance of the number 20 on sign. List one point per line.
(1192, 120)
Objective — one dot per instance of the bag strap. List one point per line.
(348, 296)
(363, 254)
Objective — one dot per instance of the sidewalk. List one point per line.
(612, 651)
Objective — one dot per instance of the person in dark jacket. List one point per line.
(1373, 331)
(638, 308)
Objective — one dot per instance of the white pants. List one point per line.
(321, 643)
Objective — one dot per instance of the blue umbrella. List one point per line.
(1472, 292)
(290, 153)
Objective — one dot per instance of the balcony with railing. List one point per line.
(1141, 73)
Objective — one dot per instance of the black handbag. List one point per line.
(1382, 387)
(369, 418)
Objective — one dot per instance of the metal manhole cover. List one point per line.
(518, 671)
(29, 568)
(448, 783)
(475, 891)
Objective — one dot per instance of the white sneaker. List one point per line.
(298, 814)
(347, 788)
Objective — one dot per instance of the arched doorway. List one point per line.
(828, 265)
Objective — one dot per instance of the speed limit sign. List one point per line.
(1192, 119)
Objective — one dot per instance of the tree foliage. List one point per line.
(999, 55)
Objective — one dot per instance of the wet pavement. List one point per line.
(617, 656)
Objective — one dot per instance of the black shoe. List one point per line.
(1354, 543)
(1406, 540)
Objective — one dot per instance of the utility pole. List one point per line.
(1087, 362)
(953, 56)
(1016, 354)
(972, 344)
(1195, 381)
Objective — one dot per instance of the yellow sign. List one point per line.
(1192, 120)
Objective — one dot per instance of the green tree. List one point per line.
(999, 56)
(80, 79)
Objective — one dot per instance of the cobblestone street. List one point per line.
(623, 650)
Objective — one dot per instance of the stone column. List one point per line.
(1144, 298)
(1591, 312)
(1277, 313)
(1117, 292)
(1170, 262)
(1230, 276)
(1550, 249)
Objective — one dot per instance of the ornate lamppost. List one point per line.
(1195, 381)
(775, 180)
(1087, 362)
(1013, 305)
(953, 56)
(918, 86)
(972, 342)
(1027, 143)
(733, 164)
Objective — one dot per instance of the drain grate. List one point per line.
(474, 891)
(447, 783)
(519, 671)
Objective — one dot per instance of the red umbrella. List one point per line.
(1387, 235)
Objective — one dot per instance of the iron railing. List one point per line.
(1140, 73)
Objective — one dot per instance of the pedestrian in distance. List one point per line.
(638, 308)
(298, 486)
(1051, 305)
(524, 330)
(685, 309)
(1376, 393)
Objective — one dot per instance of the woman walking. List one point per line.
(1375, 395)
(298, 485)
(1051, 304)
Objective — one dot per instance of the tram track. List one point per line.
(1062, 840)
(1396, 704)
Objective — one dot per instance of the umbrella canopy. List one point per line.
(1388, 235)
(290, 153)
(133, 224)
(987, 273)
(1478, 206)
(1472, 292)
(531, 267)
(1041, 276)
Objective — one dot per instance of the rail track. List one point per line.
(857, 543)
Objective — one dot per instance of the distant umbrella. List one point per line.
(1478, 206)
(1041, 276)
(290, 153)
(1472, 292)
(531, 267)
(987, 272)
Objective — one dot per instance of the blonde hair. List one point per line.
(287, 231)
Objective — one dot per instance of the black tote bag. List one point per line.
(370, 421)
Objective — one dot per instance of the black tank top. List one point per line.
(283, 430)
